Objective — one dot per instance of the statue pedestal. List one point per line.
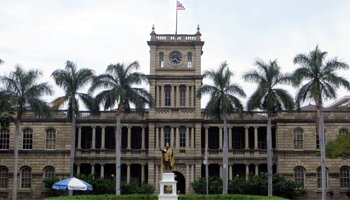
(168, 187)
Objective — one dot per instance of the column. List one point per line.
(246, 171)
(220, 137)
(143, 138)
(246, 135)
(93, 170)
(229, 137)
(255, 137)
(103, 137)
(93, 145)
(193, 94)
(157, 97)
(192, 137)
(79, 137)
(230, 172)
(172, 94)
(188, 101)
(128, 173)
(162, 95)
(187, 138)
(256, 169)
(192, 173)
(221, 170)
(187, 176)
(157, 137)
(206, 137)
(157, 178)
(177, 132)
(162, 137)
(129, 137)
(78, 169)
(102, 172)
(142, 173)
(177, 95)
(172, 133)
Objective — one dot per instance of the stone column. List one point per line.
(188, 101)
(255, 137)
(192, 173)
(93, 145)
(246, 171)
(129, 137)
(143, 138)
(158, 97)
(177, 96)
(187, 138)
(177, 132)
(157, 137)
(162, 137)
(128, 173)
(79, 138)
(142, 173)
(256, 169)
(192, 137)
(162, 96)
(93, 170)
(78, 169)
(230, 172)
(102, 175)
(187, 177)
(172, 93)
(221, 170)
(157, 177)
(103, 137)
(172, 133)
(206, 137)
(246, 135)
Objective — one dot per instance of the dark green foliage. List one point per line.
(48, 182)
(134, 188)
(103, 186)
(339, 147)
(255, 185)
(214, 185)
(155, 197)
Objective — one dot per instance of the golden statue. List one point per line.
(167, 158)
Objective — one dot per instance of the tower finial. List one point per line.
(153, 28)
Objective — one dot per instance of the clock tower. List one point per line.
(175, 118)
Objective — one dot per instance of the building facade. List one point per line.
(177, 119)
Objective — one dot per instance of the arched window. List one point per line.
(161, 59)
(319, 177)
(298, 138)
(344, 177)
(4, 139)
(3, 177)
(299, 175)
(26, 177)
(189, 61)
(50, 138)
(343, 131)
(49, 172)
(27, 138)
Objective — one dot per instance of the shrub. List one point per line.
(214, 185)
(48, 182)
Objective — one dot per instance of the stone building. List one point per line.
(177, 119)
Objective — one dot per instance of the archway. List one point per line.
(181, 182)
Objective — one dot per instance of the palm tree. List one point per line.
(318, 80)
(7, 111)
(117, 90)
(72, 80)
(222, 103)
(270, 99)
(23, 93)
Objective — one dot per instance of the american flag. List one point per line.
(179, 6)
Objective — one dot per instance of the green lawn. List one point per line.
(155, 197)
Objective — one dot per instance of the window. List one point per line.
(343, 131)
(3, 177)
(344, 177)
(319, 177)
(27, 139)
(4, 139)
(26, 177)
(189, 57)
(182, 95)
(49, 172)
(182, 136)
(161, 59)
(298, 138)
(167, 95)
(299, 175)
(167, 135)
(50, 138)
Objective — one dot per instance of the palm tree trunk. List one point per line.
(269, 157)
(72, 148)
(225, 159)
(15, 161)
(323, 152)
(117, 154)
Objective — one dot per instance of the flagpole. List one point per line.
(176, 19)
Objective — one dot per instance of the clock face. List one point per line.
(175, 57)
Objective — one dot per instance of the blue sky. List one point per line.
(94, 33)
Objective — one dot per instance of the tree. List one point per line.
(117, 86)
(339, 148)
(318, 80)
(23, 93)
(72, 80)
(222, 103)
(270, 99)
